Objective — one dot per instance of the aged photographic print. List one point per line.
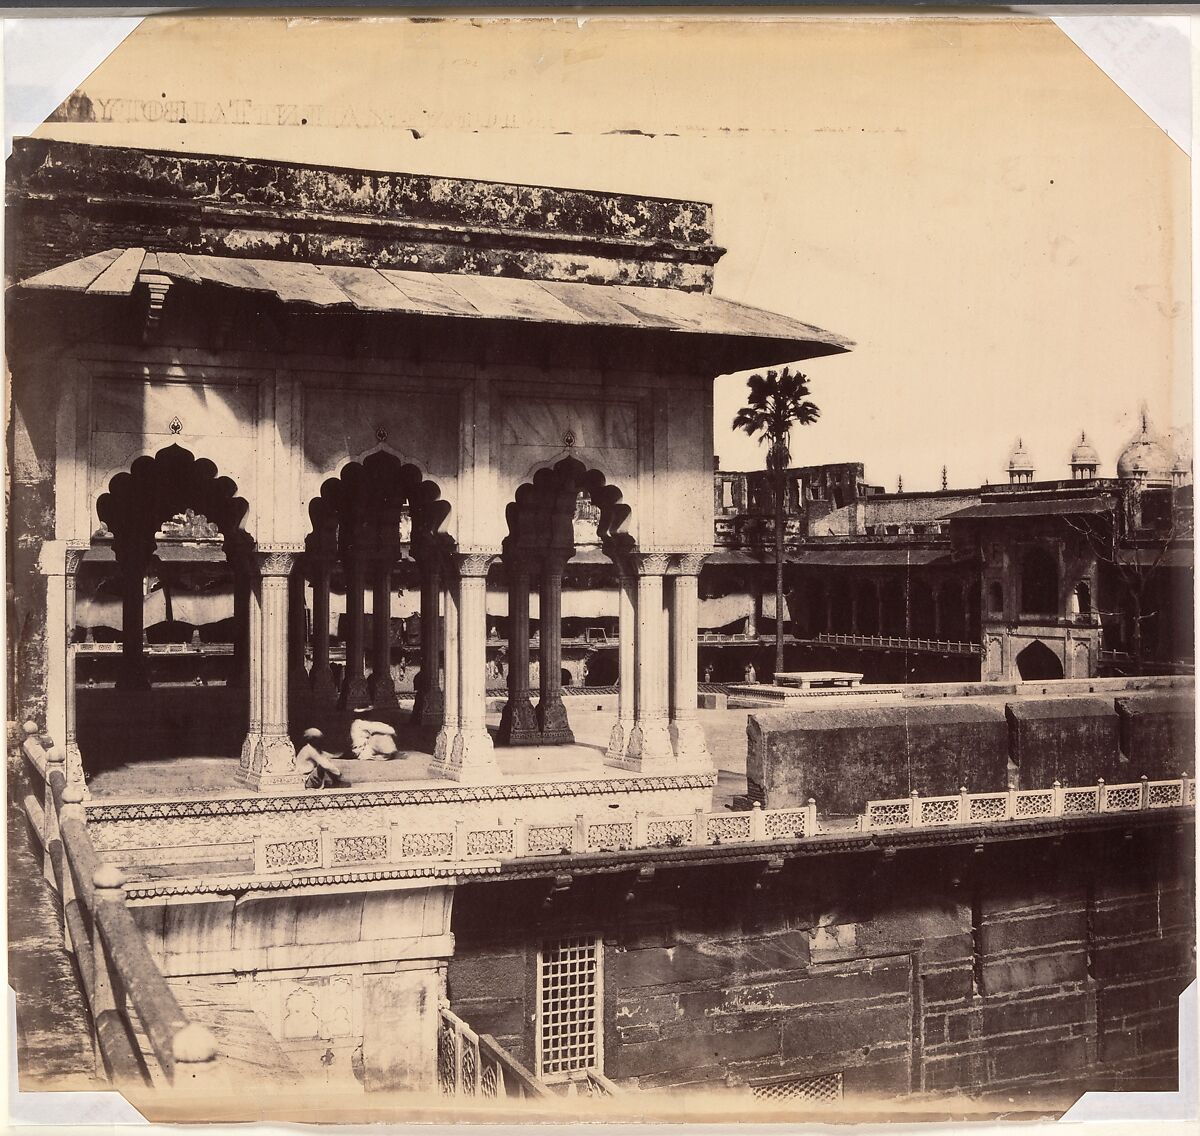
(612, 568)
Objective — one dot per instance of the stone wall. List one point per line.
(842, 758)
(1070, 740)
(845, 757)
(1158, 733)
(1034, 969)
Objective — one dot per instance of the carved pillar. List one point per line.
(936, 593)
(251, 747)
(828, 604)
(73, 758)
(691, 748)
(853, 607)
(447, 749)
(324, 689)
(649, 748)
(618, 738)
(551, 713)
(428, 709)
(298, 684)
(355, 693)
(272, 764)
(879, 623)
(473, 758)
(383, 690)
(133, 674)
(518, 722)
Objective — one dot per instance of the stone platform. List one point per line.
(761, 696)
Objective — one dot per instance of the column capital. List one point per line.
(277, 559)
(474, 564)
(651, 563)
(74, 554)
(689, 563)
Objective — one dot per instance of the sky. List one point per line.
(999, 228)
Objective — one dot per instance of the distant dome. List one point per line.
(1019, 460)
(1084, 452)
(1146, 458)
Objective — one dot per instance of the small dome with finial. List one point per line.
(1020, 464)
(1084, 452)
(1146, 458)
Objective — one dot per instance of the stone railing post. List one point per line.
(964, 805)
(914, 809)
(758, 822)
(55, 763)
(811, 825)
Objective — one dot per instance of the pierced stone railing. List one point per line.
(476, 1065)
(963, 808)
(143, 1038)
(464, 842)
(900, 642)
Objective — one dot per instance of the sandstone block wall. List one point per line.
(1158, 733)
(843, 758)
(1071, 740)
(1031, 969)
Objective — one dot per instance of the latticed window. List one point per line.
(569, 1008)
(827, 1087)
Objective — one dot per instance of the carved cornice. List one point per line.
(99, 812)
(224, 884)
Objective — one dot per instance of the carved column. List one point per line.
(473, 758)
(618, 738)
(355, 693)
(936, 593)
(252, 746)
(298, 685)
(133, 674)
(383, 690)
(551, 713)
(73, 758)
(649, 748)
(518, 722)
(428, 709)
(324, 689)
(691, 748)
(272, 764)
(853, 607)
(447, 749)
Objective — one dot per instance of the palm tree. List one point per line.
(777, 402)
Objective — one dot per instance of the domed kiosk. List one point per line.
(1085, 459)
(1147, 458)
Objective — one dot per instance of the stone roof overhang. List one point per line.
(737, 335)
(883, 557)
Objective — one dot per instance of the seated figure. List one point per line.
(372, 741)
(318, 767)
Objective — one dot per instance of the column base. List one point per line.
(321, 686)
(518, 722)
(443, 747)
(553, 722)
(432, 712)
(617, 738)
(383, 693)
(691, 747)
(355, 693)
(272, 763)
(472, 760)
(649, 749)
